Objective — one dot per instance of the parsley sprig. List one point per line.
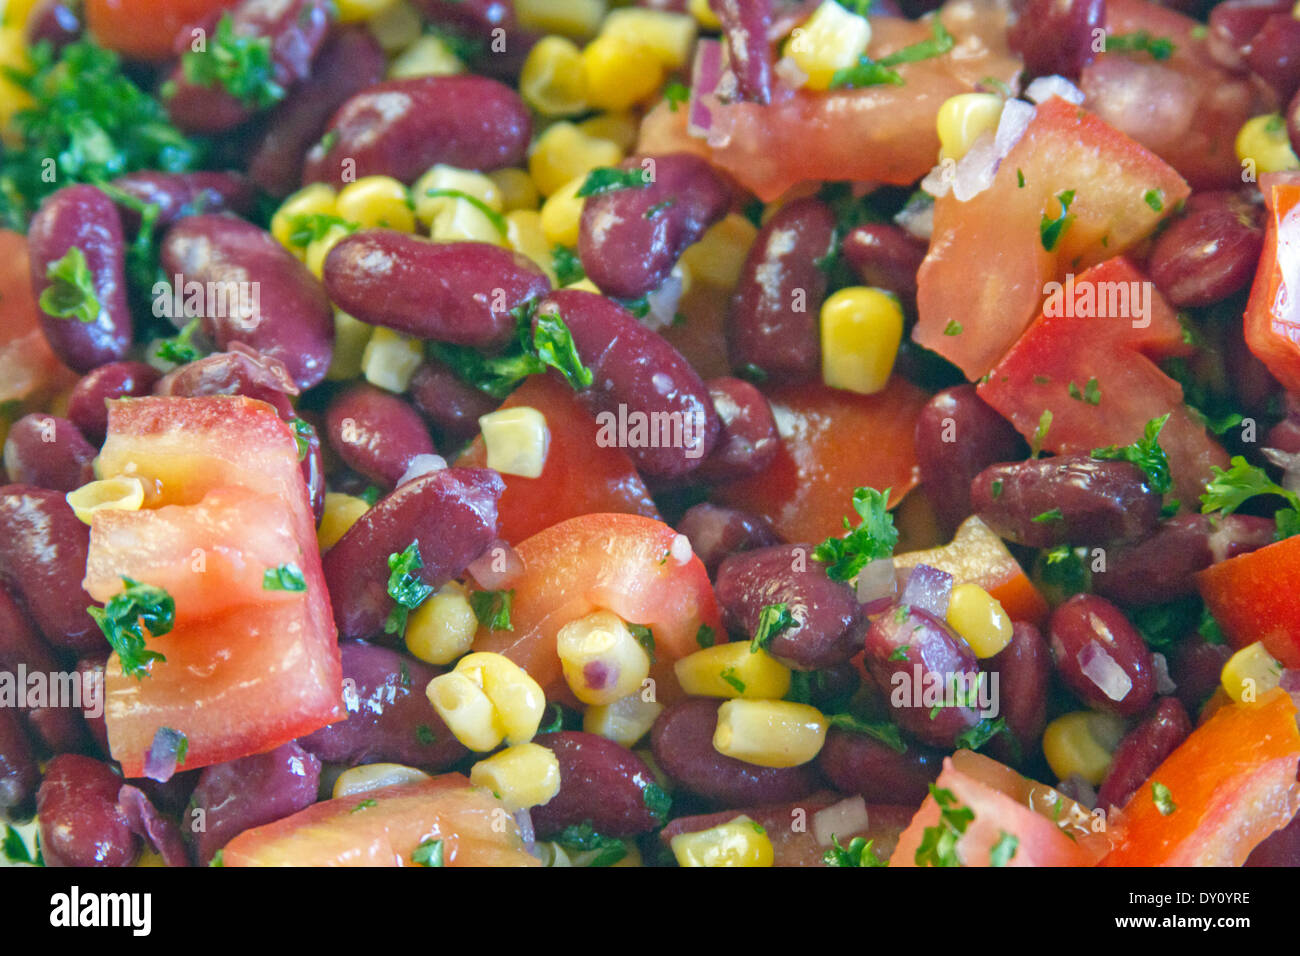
(1140, 41)
(1050, 230)
(1146, 453)
(71, 292)
(868, 72)
(595, 849)
(404, 587)
(241, 64)
(772, 620)
(124, 620)
(874, 538)
(286, 577)
(939, 842)
(1227, 491)
(859, 852)
(492, 608)
(608, 179)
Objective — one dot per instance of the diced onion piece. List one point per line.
(877, 580)
(422, 465)
(1045, 87)
(928, 589)
(496, 568)
(841, 819)
(1104, 671)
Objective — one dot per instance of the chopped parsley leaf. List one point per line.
(121, 618)
(240, 64)
(404, 587)
(492, 608)
(1164, 800)
(874, 538)
(939, 842)
(1050, 230)
(608, 179)
(287, 577)
(857, 853)
(428, 853)
(772, 620)
(1004, 850)
(1146, 453)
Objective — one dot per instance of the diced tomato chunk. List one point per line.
(146, 29)
(27, 366)
(1273, 313)
(1256, 597)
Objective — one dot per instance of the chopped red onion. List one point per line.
(706, 73)
(929, 589)
(841, 820)
(1104, 671)
(1164, 683)
(160, 761)
(524, 821)
(1079, 790)
(145, 821)
(877, 580)
(496, 568)
(1289, 681)
(1045, 87)
(422, 465)
(663, 302)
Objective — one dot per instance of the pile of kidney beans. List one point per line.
(462, 294)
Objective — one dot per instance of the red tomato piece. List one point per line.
(27, 365)
(1273, 313)
(1256, 597)
(146, 29)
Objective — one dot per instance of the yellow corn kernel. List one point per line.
(769, 733)
(1250, 673)
(523, 776)
(443, 627)
(16, 13)
(396, 26)
(565, 152)
(573, 18)
(525, 236)
(377, 202)
(562, 214)
(466, 710)
(355, 11)
(435, 192)
(718, 258)
(1082, 743)
(317, 199)
(341, 513)
(703, 14)
(350, 339)
(109, 494)
(739, 842)
(670, 36)
(861, 330)
(13, 54)
(318, 249)
(517, 440)
(1263, 140)
(149, 858)
(832, 39)
(427, 56)
(631, 858)
(390, 360)
(553, 80)
(601, 658)
(584, 285)
(463, 220)
(623, 721)
(730, 670)
(518, 700)
(620, 73)
(979, 620)
(517, 189)
(372, 776)
(963, 118)
(617, 126)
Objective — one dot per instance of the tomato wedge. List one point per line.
(580, 477)
(385, 827)
(146, 29)
(1256, 597)
(1273, 313)
(27, 366)
(1230, 784)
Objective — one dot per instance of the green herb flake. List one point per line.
(1146, 453)
(882, 731)
(1155, 199)
(657, 801)
(676, 94)
(607, 179)
(287, 577)
(1163, 799)
(364, 805)
(13, 847)
(596, 849)
(705, 636)
(939, 842)
(1048, 516)
(180, 349)
(1140, 41)
(859, 852)
(874, 538)
(1050, 230)
(952, 328)
(125, 618)
(492, 608)
(657, 208)
(1091, 392)
(567, 266)
(240, 64)
(1040, 433)
(973, 738)
(1228, 490)
(772, 620)
(425, 736)
(404, 587)
(71, 292)
(996, 488)
(1004, 850)
(308, 227)
(729, 675)
(646, 638)
(428, 853)
(498, 221)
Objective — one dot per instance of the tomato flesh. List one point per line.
(146, 29)
(27, 365)
(1273, 313)
(1256, 597)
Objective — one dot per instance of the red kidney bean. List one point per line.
(475, 18)
(279, 308)
(1142, 750)
(1285, 435)
(43, 550)
(772, 323)
(313, 465)
(184, 194)
(1210, 251)
(1086, 624)
(1234, 23)
(86, 406)
(1046, 502)
(1056, 37)
(249, 792)
(828, 621)
(351, 61)
(161, 832)
(601, 783)
(402, 127)
(451, 513)
(744, 25)
(630, 239)
(81, 824)
(1024, 668)
(1293, 123)
(715, 532)
(90, 673)
(376, 433)
(241, 371)
(957, 436)
(682, 743)
(910, 652)
(1195, 666)
(457, 292)
(885, 256)
(48, 452)
(59, 729)
(856, 763)
(1281, 848)
(295, 28)
(389, 718)
(55, 22)
(747, 436)
(447, 403)
(635, 371)
(1274, 54)
(82, 216)
(1160, 568)
(19, 775)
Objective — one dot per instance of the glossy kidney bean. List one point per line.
(447, 403)
(145, 820)
(601, 782)
(457, 292)
(59, 729)
(376, 433)
(716, 531)
(747, 435)
(402, 127)
(184, 194)
(1045, 502)
(295, 30)
(48, 452)
(914, 658)
(828, 621)
(630, 239)
(772, 319)
(1293, 123)
(1023, 667)
(273, 304)
(1195, 667)
(1159, 568)
(389, 718)
(312, 465)
(1101, 656)
(56, 22)
(885, 256)
(856, 763)
(1210, 251)
(957, 436)
(81, 824)
(1274, 54)
(1285, 435)
(90, 673)
(43, 559)
(638, 377)
(744, 26)
(240, 371)
(19, 775)
(249, 792)
(1234, 23)
(86, 406)
(82, 216)
(1052, 36)
(451, 513)
(682, 743)
(1142, 750)
(350, 61)
(475, 18)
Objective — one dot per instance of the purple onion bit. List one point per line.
(165, 753)
(162, 833)
(929, 589)
(745, 24)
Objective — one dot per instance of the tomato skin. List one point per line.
(1273, 316)
(1233, 782)
(27, 365)
(1256, 597)
(146, 29)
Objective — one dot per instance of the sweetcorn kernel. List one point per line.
(562, 214)
(523, 776)
(341, 513)
(620, 73)
(376, 202)
(732, 670)
(553, 80)
(1082, 743)
(739, 842)
(442, 628)
(978, 618)
(517, 441)
(564, 152)
(123, 493)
